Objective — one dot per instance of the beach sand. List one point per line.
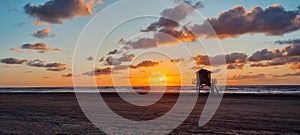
(59, 113)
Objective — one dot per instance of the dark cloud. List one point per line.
(56, 11)
(117, 61)
(90, 58)
(40, 47)
(37, 46)
(292, 50)
(162, 37)
(273, 20)
(56, 69)
(286, 55)
(49, 66)
(265, 54)
(113, 52)
(12, 60)
(126, 57)
(43, 33)
(35, 63)
(291, 41)
(274, 62)
(240, 77)
(67, 75)
(234, 58)
(177, 60)
(99, 71)
(121, 41)
(288, 74)
(165, 28)
(102, 59)
(141, 43)
(112, 61)
(171, 16)
(221, 59)
(146, 63)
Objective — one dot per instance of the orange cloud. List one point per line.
(295, 65)
(146, 63)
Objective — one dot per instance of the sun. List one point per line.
(157, 79)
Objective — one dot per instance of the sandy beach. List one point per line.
(59, 113)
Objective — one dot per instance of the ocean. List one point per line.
(278, 89)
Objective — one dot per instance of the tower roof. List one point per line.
(204, 70)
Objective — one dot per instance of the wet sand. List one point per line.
(59, 113)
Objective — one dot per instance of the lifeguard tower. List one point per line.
(204, 80)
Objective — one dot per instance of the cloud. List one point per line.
(35, 63)
(177, 60)
(126, 57)
(201, 59)
(56, 69)
(36, 46)
(235, 66)
(165, 28)
(274, 62)
(171, 16)
(234, 58)
(56, 49)
(112, 61)
(67, 75)
(231, 58)
(99, 71)
(291, 41)
(265, 54)
(120, 67)
(240, 77)
(43, 33)
(273, 20)
(56, 11)
(49, 66)
(90, 58)
(146, 63)
(26, 72)
(295, 65)
(12, 60)
(292, 50)
(113, 52)
(121, 41)
(285, 55)
(40, 47)
(288, 74)
(162, 37)
(117, 61)
(15, 49)
(141, 43)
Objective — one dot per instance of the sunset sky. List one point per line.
(260, 42)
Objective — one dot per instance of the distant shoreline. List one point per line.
(167, 93)
(55, 87)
